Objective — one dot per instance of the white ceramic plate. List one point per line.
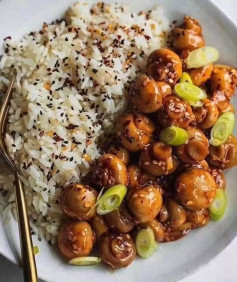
(174, 260)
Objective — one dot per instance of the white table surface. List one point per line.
(222, 269)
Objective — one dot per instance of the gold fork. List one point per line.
(27, 254)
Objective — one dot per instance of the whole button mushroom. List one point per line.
(157, 159)
(134, 131)
(188, 36)
(164, 65)
(75, 239)
(199, 76)
(117, 250)
(223, 79)
(145, 203)
(196, 189)
(109, 171)
(175, 111)
(146, 94)
(198, 218)
(122, 153)
(196, 149)
(225, 155)
(78, 201)
(137, 177)
(120, 220)
(177, 214)
(222, 83)
(99, 226)
(207, 115)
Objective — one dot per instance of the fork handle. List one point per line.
(28, 259)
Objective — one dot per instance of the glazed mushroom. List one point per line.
(222, 84)
(164, 65)
(78, 201)
(177, 214)
(145, 203)
(173, 218)
(225, 155)
(134, 131)
(201, 75)
(196, 149)
(175, 111)
(164, 214)
(219, 177)
(202, 165)
(223, 79)
(75, 239)
(109, 171)
(172, 233)
(146, 94)
(196, 189)
(99, 226)
(207, 115)
(192, 24)
(138, 177)
(157, 228)
(221, 100)
(176, 234)
(198, 218)
(117, 250)
(120, 220)
(188, 36)
(119, 151)
(157, 159)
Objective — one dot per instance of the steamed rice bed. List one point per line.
(72, 78)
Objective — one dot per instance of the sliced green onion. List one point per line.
(185, 77)
(35, 250)
(111, 199)
(189, 92)
(145, 242)
(222, 129)
(201, 57)
(85, 261)
(174, 136)
(218, 206)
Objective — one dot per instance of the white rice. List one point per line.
(70, 87)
